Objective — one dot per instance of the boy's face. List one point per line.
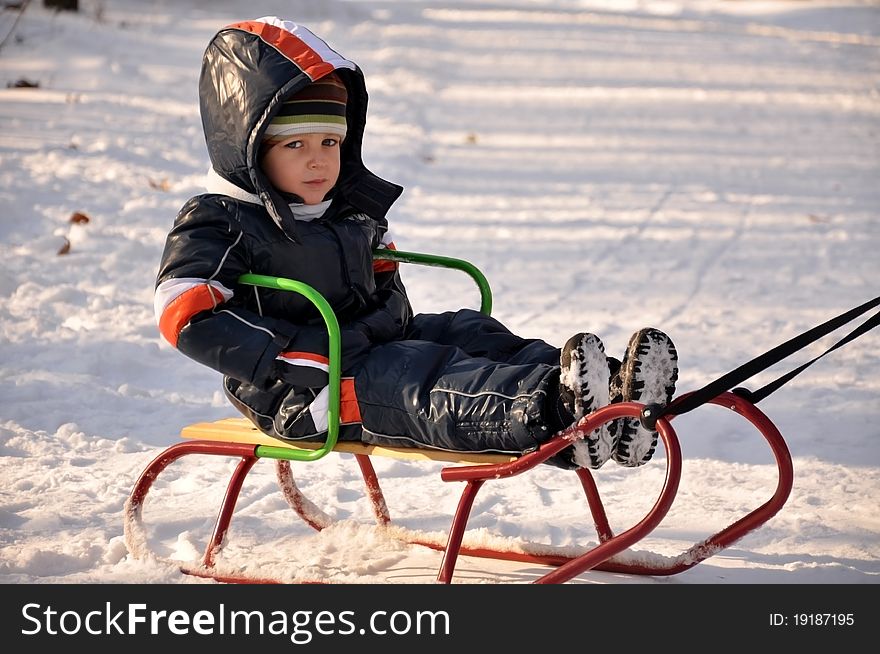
(306, 165)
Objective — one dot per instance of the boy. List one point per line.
(290, 196)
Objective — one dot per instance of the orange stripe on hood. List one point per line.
(309, 61)
(180, 311)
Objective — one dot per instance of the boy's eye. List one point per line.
(330, 142)
(293, 145)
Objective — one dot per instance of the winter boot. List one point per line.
(583, 388)
(647, 374)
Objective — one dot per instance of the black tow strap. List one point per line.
(724, 383)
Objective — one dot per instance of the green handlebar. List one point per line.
(335, 341)
(334, 352)
(443, 262)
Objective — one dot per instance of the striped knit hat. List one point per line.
(319, 107)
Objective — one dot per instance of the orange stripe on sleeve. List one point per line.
(384, 265)
(309, 356)
(349, 411)
(309, 61)
(180, 311)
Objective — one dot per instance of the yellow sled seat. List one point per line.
(241, 430)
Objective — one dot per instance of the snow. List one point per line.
(703, 166)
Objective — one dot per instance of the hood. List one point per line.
(248, 69)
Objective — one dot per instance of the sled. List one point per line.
(238, 439)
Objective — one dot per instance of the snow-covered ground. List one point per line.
(708, 167)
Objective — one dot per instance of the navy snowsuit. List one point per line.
(456, 381)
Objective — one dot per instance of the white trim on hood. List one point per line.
(216, 184)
